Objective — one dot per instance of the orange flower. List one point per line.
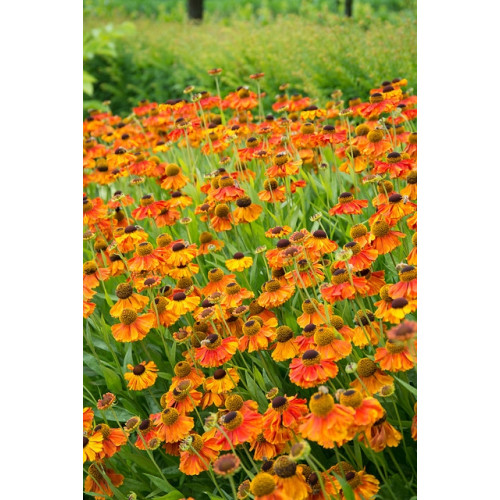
(382, 434)
(92, 446)
(207, 241)
(127, 299)
(239, 262)
(227, 190)
(383, 239)
(407, 286)
(348, 205)
(237, 429)
(286, 347)
(181, 396)
(328, 423)
(141, 376)
(313, 312)
(182, 303)
(275, 294)
(363, 485)
(366, 410)
(342, 288)
(263, 449)
(172, 426)
(222, 218)
(370, 378)
(399, 308)
(311, 370)
(185, 371)
(88, 417)
(174, 178)
(235, 295)
(256, 335)
(289, 478)
(362, 257)
(283, 416)
(132, 327)
(197, 452)
(95, 482)
(272, 193)
(182, 253)
(329, 346)
(246, 211)
(91, 277)
(215, 351)
(395, 357)
(222, 380)
(263, 486)
(113, 439)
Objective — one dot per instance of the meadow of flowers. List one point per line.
(250, 296)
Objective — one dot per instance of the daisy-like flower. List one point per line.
(144, 259)
(132, 327)
(92, 446)
(92, 275)
(226, 465)
(348, 205)
(278, 231)
(222, 219)
(174, 178)
(106, 402)
(410, 190)
(328, 423)
(234, 295)
(395, 164)
(127, 299)
(185, 371)
(237, 429)
(383, 239)
(227, 190)
(197, 452)
(289, 478)
(286, 347)
(263, 449)
(370, 378)
(382, 434)
(393, 211)
(367, 331)
(222, 381)
(360, 234)
(165, 317)
(181, 396)
(208, 244)
(263, 487)
(395, 357)
(329, 345)
(129, 238)
(364, 486)
(399, 308)
(217, 281)
(376, 144)
(366, 410)
(273, 192)
(282, 417)
(149, 208)
(362, 257)
(181, 254)
(88, 417)
(311, 370)
(239, 262)
(215, 351)
(141, 376)
(275, 294)
(341, 287)
(172, 426)
(407, 286)
(96, 483)
(313, 312)
(182, 303)
(318, 244)
(256, 335)
(113, 439)
(246, 211)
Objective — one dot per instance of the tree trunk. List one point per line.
(348, 8)
(195, 9)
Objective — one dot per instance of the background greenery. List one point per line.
(147, 49)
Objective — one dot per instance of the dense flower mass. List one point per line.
(250, 296)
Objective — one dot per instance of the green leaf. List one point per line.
(113, 381)
(412, 389)
(163, 484)
(173, 495)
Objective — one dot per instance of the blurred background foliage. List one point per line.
(148, 49)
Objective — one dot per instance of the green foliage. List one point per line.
(157, 60)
